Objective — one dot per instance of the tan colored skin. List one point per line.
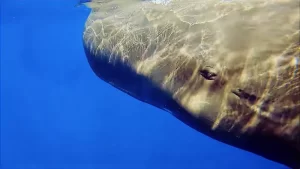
(227, 69)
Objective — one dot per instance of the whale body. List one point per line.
(229, 69)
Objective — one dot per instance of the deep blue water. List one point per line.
(56, 114)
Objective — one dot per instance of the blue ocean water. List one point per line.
(56, 114)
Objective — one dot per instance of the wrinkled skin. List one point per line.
(229, 69)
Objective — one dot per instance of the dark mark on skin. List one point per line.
(244, 95)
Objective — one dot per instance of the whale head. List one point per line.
(229, 69)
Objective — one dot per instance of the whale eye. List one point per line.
(208, 73)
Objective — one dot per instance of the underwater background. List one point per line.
(56, 114)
